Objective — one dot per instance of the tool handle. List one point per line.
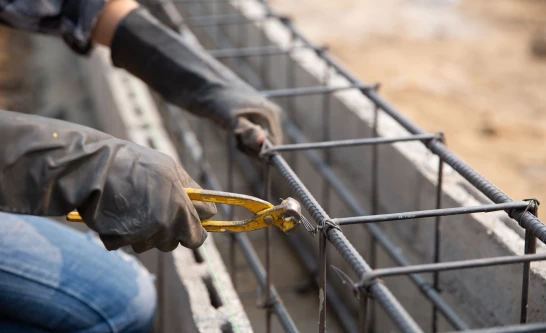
(74, 217)
(253, 204)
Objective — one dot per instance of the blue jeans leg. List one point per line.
(56, 279)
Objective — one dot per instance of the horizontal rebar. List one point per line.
(431, 213)
(254, 51)
(452, 265)
(212, 20)
(290, 92)
(191, 2)
(349, 143)
(526, 328)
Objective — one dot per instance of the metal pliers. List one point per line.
(286, 216)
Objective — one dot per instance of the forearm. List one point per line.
(182, 72)
(129, 194)
(186, 75)
(107, 22)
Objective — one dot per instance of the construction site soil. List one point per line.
(466, 68)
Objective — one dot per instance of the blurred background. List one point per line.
(473, 69)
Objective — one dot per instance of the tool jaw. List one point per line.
(286, 216)
(292, 215)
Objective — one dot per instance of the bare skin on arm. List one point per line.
(109, 19)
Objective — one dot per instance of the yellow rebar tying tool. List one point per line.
(286, 216)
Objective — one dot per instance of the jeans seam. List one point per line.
(75, 296)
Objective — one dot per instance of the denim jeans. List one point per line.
(56, 279)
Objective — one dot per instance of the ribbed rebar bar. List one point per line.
(431, 213)
(529, 328)
(382, 294)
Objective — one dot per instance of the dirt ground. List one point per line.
(462, 67)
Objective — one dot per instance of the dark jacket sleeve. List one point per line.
(71, 19)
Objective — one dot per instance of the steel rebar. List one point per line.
(349, 143)
(452, 265)
(431, 213)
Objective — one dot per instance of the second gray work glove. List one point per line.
(129, 194)
(189, 77)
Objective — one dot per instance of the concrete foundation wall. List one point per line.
(407, 180)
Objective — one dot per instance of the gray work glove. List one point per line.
(187, 76)
(129, 194)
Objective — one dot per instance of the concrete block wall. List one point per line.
(407, 179)
(191, 284)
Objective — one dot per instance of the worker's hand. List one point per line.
(186, 75)
(129, 194)
(255, 119)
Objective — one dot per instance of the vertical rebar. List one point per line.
(326, 100)
(267, 303)
(436, 275)
(375, 164)
(265, 59)
(264, 73)
(322, 281)
(218, 28)
(232, 240)
(374, 211)
(363, 312)
(530, 248)
(289, 106)
(242, 27)
(290, 75)
(201, 137)
(160, 291)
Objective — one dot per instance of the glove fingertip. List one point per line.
(195, 243)
(204, 236)
(205, 210)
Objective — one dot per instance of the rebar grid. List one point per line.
(370, 289)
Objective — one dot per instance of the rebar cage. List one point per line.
(370, 288)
